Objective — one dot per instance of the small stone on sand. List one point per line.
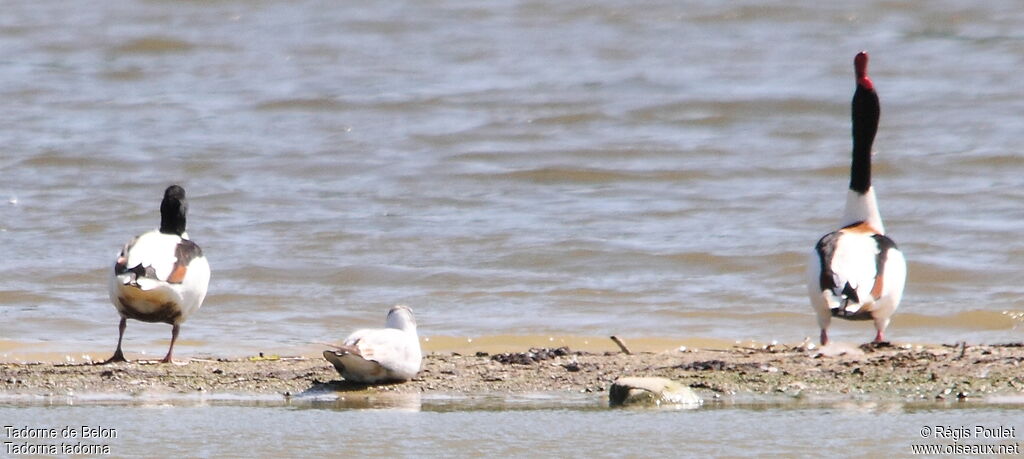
(651, 391)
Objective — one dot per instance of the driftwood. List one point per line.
(621, 345)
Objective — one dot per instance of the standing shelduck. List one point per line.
(856, 272)
(161, 275)
(389, 354)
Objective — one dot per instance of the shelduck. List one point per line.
(389, 354)
(161, 275)
(857, 272)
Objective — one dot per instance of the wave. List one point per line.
(301, 104)
(566, 174)
(155, 45)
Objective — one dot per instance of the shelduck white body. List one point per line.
(857, 272)
(138, 297)
(389, 354)
(161, 275)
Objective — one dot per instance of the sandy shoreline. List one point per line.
(916, 372)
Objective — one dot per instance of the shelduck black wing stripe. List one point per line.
(826, 248)
(137, 272)
(851, 293)
(121, 265)
(185, 252)
(884, 244)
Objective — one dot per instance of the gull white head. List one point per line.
(401, 317)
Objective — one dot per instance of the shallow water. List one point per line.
(507, 168)
(574, 426)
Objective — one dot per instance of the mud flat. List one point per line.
(931, 372)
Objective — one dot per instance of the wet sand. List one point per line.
(892, 371)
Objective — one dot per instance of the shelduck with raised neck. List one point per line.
(861, 204)
(857, 272)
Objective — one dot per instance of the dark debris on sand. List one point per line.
(534, 355)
